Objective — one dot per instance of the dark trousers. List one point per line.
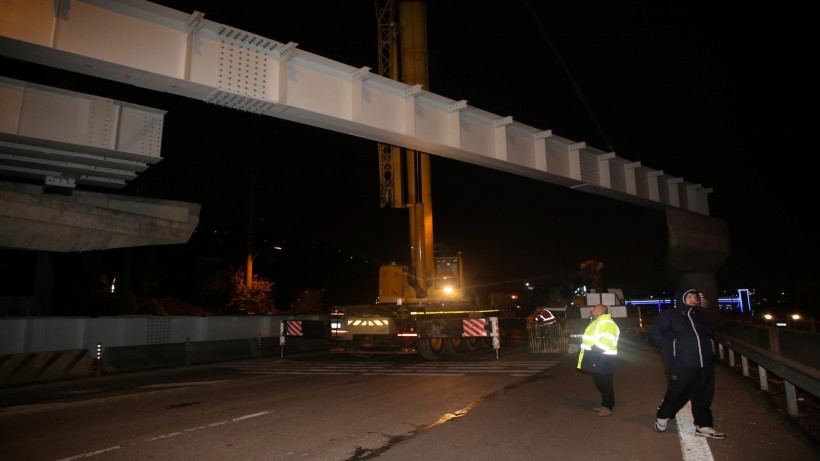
(605, 385)
(695, 384)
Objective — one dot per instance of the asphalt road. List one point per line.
(506, 405)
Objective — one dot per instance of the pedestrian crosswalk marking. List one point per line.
(521, 369)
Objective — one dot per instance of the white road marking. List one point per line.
(91, 453)
(168, 435)
(185, 383)
(517, 369)
(693, 447)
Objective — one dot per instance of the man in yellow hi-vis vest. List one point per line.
(599, 348)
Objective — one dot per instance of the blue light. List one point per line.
(643, 301)
(741, 302)
(745, 301)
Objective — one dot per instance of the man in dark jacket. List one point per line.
(685, 334)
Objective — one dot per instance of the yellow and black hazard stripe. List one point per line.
(45, 366)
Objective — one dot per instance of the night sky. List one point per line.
(715, 96)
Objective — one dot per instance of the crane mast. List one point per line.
(405, 174)
(388, 66)
(422, 308)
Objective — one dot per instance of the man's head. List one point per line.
(599, 310)
(688, 298)
(691, 298)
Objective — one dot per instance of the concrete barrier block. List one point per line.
(44, 366)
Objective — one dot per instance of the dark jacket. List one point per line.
(685, 334)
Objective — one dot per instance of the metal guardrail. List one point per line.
(792, 373)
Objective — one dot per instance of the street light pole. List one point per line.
(249, 270)
(249, 263)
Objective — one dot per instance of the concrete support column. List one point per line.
(698, 247)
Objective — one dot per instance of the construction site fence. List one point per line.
(552, 338)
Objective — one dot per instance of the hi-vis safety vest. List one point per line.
(601, 332)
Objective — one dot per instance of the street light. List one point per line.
(249, 264)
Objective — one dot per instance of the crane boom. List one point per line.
(403, 55)
(422, 308)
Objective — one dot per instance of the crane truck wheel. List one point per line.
(469, 344)
(431, 348)
(452, 346)
(485, 343)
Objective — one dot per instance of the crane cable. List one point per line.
(572, 81)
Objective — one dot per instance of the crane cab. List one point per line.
(399, 285)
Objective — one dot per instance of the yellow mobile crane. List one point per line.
(422, 307)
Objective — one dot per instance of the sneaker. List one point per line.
(604, 411)
(597, 409)
(660, 424)
(709, 432)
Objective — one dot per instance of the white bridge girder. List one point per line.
(166, 50)
(68, 138)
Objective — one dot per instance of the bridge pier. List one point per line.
(698, 247)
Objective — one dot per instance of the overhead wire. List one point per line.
(566, 70)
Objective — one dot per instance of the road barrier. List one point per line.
(553, 338)
(36, 350)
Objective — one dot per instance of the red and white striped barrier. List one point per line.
(294, 328)
(475, 327)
